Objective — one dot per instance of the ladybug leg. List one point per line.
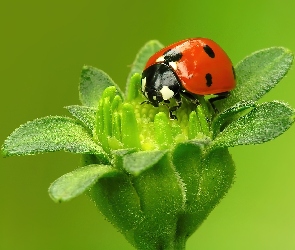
(155, 104)
(177, 98)
(145, 102)
(219, 96)
(190, 97)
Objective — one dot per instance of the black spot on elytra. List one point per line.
(208, 79)
(234, 72)
(172, 55)
(209, 51)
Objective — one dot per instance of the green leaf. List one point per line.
(48, 134)
(207, 178)
(263, 123)
(78, 181)
(257, 74)
(118, 201)
(230, 114)
(92, 84)
(84, 114)
(216, 177)
(162, 198)
(142, 57)
(87, 159)
(187, 159)
(138, 162)
(118, 156)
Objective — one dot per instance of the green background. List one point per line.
(43, 46)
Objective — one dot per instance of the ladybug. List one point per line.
(188, 68)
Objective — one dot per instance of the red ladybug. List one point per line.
(187, 68)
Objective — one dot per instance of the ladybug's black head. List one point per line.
(159, 83)
(154, 96)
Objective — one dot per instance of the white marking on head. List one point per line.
(143, 84)
(160, 59)
(154, 98)
(166, 93)
(173, 65)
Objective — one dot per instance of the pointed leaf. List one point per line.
(257, 74)
(162, 197)
(119, 156)
(83, 113)
(92, 84)
(262, 124)
(117, 199)
(216, 176)
(138, 162)
(229, 114)
(78, 181)
(207, 179)
(142, 57)
(187, 159)
(48, 134)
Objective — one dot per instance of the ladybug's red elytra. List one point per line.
(188, 68)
